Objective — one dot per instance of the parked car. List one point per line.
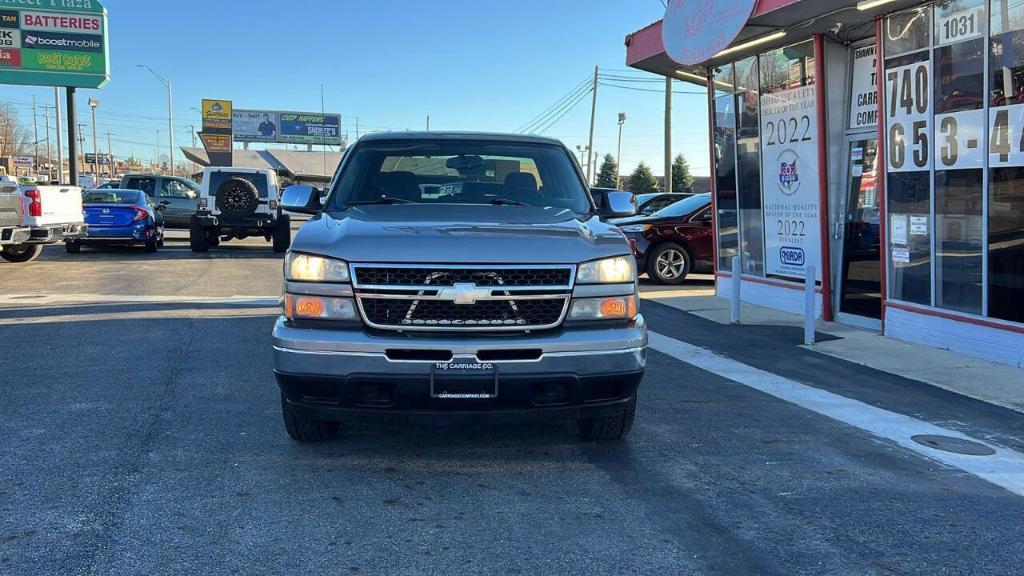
(651, 203)
(125, 217)
(179, 196)
(674, 241)
(46, 215)
(235, 203)
(501, 293)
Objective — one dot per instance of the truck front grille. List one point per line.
(511, 298)
(414, 276)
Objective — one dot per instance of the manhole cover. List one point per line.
(954, 445)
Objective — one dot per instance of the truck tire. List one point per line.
(197, 236)
(73, 247)
(237, 198)
(282, 237)
(19, 253)
(305, 430)
(607, 428)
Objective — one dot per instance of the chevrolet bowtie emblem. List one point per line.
(463, 294)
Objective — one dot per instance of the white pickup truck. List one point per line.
(33, 216)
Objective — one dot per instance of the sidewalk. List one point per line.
(997, 384)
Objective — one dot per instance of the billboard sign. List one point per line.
(216, 134)
(286, 127)
(695, 30)
(102, 159)
(54, 43)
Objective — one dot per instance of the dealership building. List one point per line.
(880, 142)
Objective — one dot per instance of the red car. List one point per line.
(674, 241)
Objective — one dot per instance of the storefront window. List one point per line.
(787, 68)
(907, 32)
(725, 166)
(908, 110)
(1005, 240)
(959, 126)
(748, 165)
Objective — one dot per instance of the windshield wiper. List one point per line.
(384, 200)
(506, 202)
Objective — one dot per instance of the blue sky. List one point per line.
(469, 64)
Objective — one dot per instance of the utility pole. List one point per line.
(158, 163)
(93, 103)
(49, 163)
(618, 155)
(357, 127)
(668, 135)
(593, 118)
(60, 143)
(35, 141)
(110, 155)
(81, 143)
(428, 122)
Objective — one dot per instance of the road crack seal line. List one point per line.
(122, 488)
(1004, 468)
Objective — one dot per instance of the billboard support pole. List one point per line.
(60, 144)
(72, 141)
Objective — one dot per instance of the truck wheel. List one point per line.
(73, 247)
(669, 263)
(305, 430)
(609, 427)
(19, 253)
(197, 236)
(282, 234)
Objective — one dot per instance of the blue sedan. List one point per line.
(126, 217)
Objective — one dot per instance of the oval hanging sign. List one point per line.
(696, 30)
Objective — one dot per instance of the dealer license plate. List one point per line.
(464, 381)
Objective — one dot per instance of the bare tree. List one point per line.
(15, 138)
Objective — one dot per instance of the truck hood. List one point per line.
(459, 234)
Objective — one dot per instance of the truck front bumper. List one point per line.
(329, 374)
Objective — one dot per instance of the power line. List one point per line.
(651, 89)
(558, 103)
(566, 111)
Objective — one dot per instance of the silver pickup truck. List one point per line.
(458, 272)
(33, 216)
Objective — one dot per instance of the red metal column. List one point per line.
(713, 181)
(882, 159)
(823, 211)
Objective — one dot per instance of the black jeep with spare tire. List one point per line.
(236, 203)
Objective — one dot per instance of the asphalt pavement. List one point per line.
(140, 433)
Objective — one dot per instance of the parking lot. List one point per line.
(140, 433)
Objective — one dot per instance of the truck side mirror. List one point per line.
(618, 204)
(301, 199)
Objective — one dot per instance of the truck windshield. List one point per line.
(460, 172)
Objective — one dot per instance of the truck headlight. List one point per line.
(309, 268)
(611, 308)
(617, 270)
(298, 307)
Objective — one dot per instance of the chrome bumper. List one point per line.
(342, 353)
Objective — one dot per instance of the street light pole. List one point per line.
(618, 154)
(170, 111)
(93, 103)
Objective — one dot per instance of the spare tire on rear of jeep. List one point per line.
(237, 198)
